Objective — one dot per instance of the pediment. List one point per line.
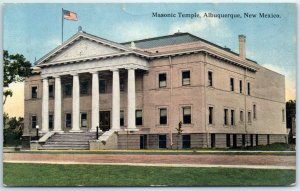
(83, 48)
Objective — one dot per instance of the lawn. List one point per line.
(107, 175)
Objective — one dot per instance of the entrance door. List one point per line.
(234, 141)
(143, 142)
(83, 120)
(104, 120)
(162, 140)
(186, 141)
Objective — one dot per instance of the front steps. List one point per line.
(69, 141)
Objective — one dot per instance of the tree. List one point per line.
(16, 69)
(290, 112)
(12, 130)
(179, 131)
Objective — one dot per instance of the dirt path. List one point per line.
(139, 159)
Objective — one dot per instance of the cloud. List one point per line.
(290, 84)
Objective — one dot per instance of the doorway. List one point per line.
(104, 120)
(143, 142)
(162, 141)
(83, 120)
(186, 141)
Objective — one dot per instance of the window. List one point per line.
(121, 118)
(162, 141)
(163, 118)
(84, 88)
(33, 121)
(186, 141)
(248, 87)
(139, 117)
(241, 86)
(162, 78)
(232, 121)
(225, 116)
(283, 115)
(34, 92)
(254, 111)
(83, 120)
(249, 116)
(241, 116)
(122, 84)
(68, 90)
(187, 115)
(231, 84)
(186, 80)
(50, 121)
(68, 120)
(210, 78)
(51, 91)
(213, 140)
(102, 86)
(210, 115)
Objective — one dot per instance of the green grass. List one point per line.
(102, 175)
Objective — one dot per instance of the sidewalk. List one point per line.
(219, 160)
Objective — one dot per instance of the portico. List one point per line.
(61, 63)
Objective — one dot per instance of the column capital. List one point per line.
(74, 74)
(56, 76)
(44, 77)
(94, 72)
(114, 69)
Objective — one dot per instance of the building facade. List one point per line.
(139, 92)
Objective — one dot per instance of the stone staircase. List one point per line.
(69, 141)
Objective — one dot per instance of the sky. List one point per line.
(35, 29)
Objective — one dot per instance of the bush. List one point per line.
(13, 130)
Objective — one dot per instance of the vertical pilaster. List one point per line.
(57, 105)
(131, 99)
(95, 101)
(116, 100)
(76, 104)
(45, 106)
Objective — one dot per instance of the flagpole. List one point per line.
(62, 25)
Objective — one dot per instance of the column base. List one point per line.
(115, 129)
(57, 131)
(75, 131)
(131, 129)
(43, 132)
(94, 130)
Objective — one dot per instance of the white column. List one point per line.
(45, 106)
(116, 100)
(57, 105)
(131, 99)
(76, 104)
(95, 101)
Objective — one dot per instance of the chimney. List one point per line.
(242, 44)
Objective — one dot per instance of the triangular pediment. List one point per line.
(83, 46)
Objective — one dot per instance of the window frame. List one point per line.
(159, 80)
(36, 121)
(225, 117)
(136, 118)
(232, 84)
(210, 78)
(122, 118)
(51, 95)
(184, 79)
(210, 115)
(241, 116)
(161, 117)
(70, 120)
(248, 89)
(241, 86)
(249, 117)
(105, 86)
(86, 88)
(232, 117)
(183, 115)
(36, 92)
(65, 89)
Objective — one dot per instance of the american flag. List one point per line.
(70, 15)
